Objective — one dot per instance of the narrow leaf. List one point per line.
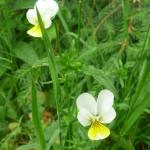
(135, 115)
(36, 118)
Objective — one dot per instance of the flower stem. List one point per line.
(79, 25)
(36, 118)
(53, 72)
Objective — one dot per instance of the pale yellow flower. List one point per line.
(96, 113)
(47, 9)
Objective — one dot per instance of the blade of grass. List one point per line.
(135, 115)
(147, 41)
(137, 104)
(53, 72)
(143, 73)
(79, 25)
(36, 119)
(66, 28)
(54, 135)
(126, 12)
(142, 79)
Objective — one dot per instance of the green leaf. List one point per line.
(144, 73)
(122, 142)
(28, 146)
(135, 115)
(4, 65)
(25, 52)
(22, 4)
(2, 1)
(53, 129)
(126, 11)
(53, 71)
(36, 118)
(101, 77)
(51, 32)
(11, 113)
(2, 113)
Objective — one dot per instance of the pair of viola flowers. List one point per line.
(93, 113)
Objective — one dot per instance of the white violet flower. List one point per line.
(47, 9)
(96, 113)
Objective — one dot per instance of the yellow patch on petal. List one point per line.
(98, 131)
(35, 31)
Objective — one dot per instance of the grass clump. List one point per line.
(91, 45)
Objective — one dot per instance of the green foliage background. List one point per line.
(97, 44)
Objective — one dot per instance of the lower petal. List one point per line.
(35, 31)
(98, 131)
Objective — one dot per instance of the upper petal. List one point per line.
(32, 16)
(52, 8)
(98, 131)
(104, 101)
(86, 101)
(84, 117)
(47, 8)
(108, 116)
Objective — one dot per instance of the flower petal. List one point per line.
(84, 117)
(52, 8)
(32, 16)
(86, 101)
(105, 101)
(35, 31)
(47, 8)
(98, 131)
(47, 22)
(108, 116)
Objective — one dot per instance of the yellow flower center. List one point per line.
(98, 131)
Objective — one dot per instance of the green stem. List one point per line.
(126, 12)
(36, 118)
(66, 28)
(79, 25)
(53, 72)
